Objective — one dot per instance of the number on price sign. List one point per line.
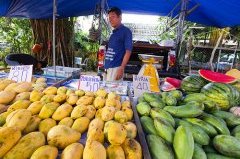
(140, 85)
(21, 73)
(89, 83)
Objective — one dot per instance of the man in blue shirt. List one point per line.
(119, 46)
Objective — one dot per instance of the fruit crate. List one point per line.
(61, 71)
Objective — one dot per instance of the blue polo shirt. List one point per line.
(120, 41)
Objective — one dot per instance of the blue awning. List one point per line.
(219, 13)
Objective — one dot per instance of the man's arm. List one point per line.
(123, 65)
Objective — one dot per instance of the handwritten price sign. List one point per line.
(140, 85)
(89, 83)
(21, 73)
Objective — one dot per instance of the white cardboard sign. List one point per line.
(21, 73)
(140, 85)
(89, 83)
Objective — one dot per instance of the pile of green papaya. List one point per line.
(189, 127)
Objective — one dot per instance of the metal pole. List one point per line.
(54, 35)
(102, 6)
(180, 33)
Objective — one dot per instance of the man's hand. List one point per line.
(119, 74)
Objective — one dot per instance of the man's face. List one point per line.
(114, 19)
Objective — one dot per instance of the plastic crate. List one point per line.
(61, 71)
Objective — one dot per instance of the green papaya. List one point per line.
(157, 104)
(170, 100)
(236, 132)
(209, 129)
(199, 135)
(217, 156)
(184, 111)
(177, 94)
(143, 108)
(210, 106)
(149, 97)
(156, 112)
(227, 145)
(231, 119)
(198, 152)
(141, 99)
(158, 148)
(199, 97)
(148, 125)
(164, 129)
(183, 143)
(164, 95)
(218, 123)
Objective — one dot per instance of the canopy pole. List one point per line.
(180, 27)
(54, 35)
(102, 6)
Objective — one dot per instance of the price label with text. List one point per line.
(21, 73)
(89, 83)
(140, 85)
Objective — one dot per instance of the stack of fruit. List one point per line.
(40, 122)
(194, 125)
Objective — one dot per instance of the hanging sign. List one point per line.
(21, 73)
(140, 85)
(89, 83)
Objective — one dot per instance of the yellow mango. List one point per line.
(108, 113)
(4, 83)
(41, 80)
(129, 113)
(23, 87)
(101, 93)
(60, 98)
(11, 86)
(73, 151)
(62, 90)
(39, 86)
(131, 129)
(116, 133)
(132, 149)
(22, 96)
(26, 146)
(72, 99)
(32, 124)
(35, 107)
(20, 104)
(106, 127)
(36, 95)
(6, 97)
(81, 124)
(47, 99)
(91, 111)
(48, 110)
(96, 123)
(80, 93)
(112, 95)
(70, 91)
(62, 111)
(50, 90)
(61, 136)
(85, 100)
(66, 121)
(89, 93)
(19, 118)
(46, 124)
(9, 136)
(115, 152)
(94, 150)
(120, 116)
(126, 103)
(79, 111)
(45, 152)
(111, 102)
(3, 117)
(95, 135)
(98, 113)
(99, 102)
(118, 105)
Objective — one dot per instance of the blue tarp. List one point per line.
(219, 13)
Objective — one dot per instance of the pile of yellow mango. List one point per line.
(40, 122)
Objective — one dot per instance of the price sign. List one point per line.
(21, 73)
(89, 83)
(140, 85)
